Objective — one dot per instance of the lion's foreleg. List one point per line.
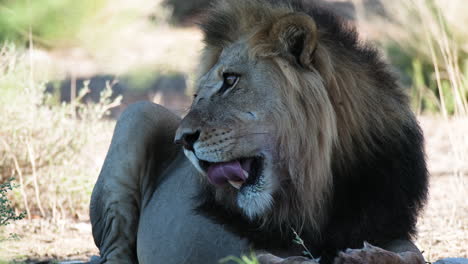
(114, 208)
(141, 143)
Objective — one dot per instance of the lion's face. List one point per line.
(286, 104)
(261, 127)
(228, 134)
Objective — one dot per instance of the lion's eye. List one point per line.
(230, 80)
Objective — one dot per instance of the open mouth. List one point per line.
(238, 173)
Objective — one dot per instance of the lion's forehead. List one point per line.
(233, 58)
(236, 52)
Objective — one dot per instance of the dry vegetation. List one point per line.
(45, 146)
(426, 41)
(55, 151)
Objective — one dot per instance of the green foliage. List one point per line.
(429, 93)
(424, 94)
(49, 21)
(298, 240)
(7, 212)
(253, 259)
(242, 260)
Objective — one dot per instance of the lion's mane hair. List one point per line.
(346, 132)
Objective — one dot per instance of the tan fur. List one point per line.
(324, 110)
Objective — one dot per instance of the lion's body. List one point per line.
(306, 124)
(147, 228)
(194, 240)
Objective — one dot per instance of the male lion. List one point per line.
(296, 126)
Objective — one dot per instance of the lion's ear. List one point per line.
(296, 36)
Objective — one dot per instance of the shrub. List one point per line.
(55, 151)
(7, 212)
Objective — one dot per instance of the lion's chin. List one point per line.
(253, 200)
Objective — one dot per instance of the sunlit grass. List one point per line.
(427, 40)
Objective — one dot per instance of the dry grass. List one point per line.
(427, 40)
(46, 147)
(55, 151)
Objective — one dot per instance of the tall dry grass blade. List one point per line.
(449, 54)
(432, 32)
(428, 35)
(37, 191)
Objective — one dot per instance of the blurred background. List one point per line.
(68, 69)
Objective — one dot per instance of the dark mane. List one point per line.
(222, 26)
(379, 174)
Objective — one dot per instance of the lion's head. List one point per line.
(285, 98)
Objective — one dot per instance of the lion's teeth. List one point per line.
(246, 174)
(236, 184)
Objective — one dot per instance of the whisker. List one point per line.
(250, 134)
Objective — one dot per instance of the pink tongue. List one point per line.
(220, 173)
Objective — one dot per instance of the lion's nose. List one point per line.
(187, 138)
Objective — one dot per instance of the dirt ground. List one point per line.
(443, 227)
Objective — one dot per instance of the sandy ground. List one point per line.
(443, 228)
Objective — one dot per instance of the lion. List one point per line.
(296, 127)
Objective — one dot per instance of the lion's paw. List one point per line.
(272, 259)
(374, 255)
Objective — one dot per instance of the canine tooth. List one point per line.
(246, 174)
(235, 184)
